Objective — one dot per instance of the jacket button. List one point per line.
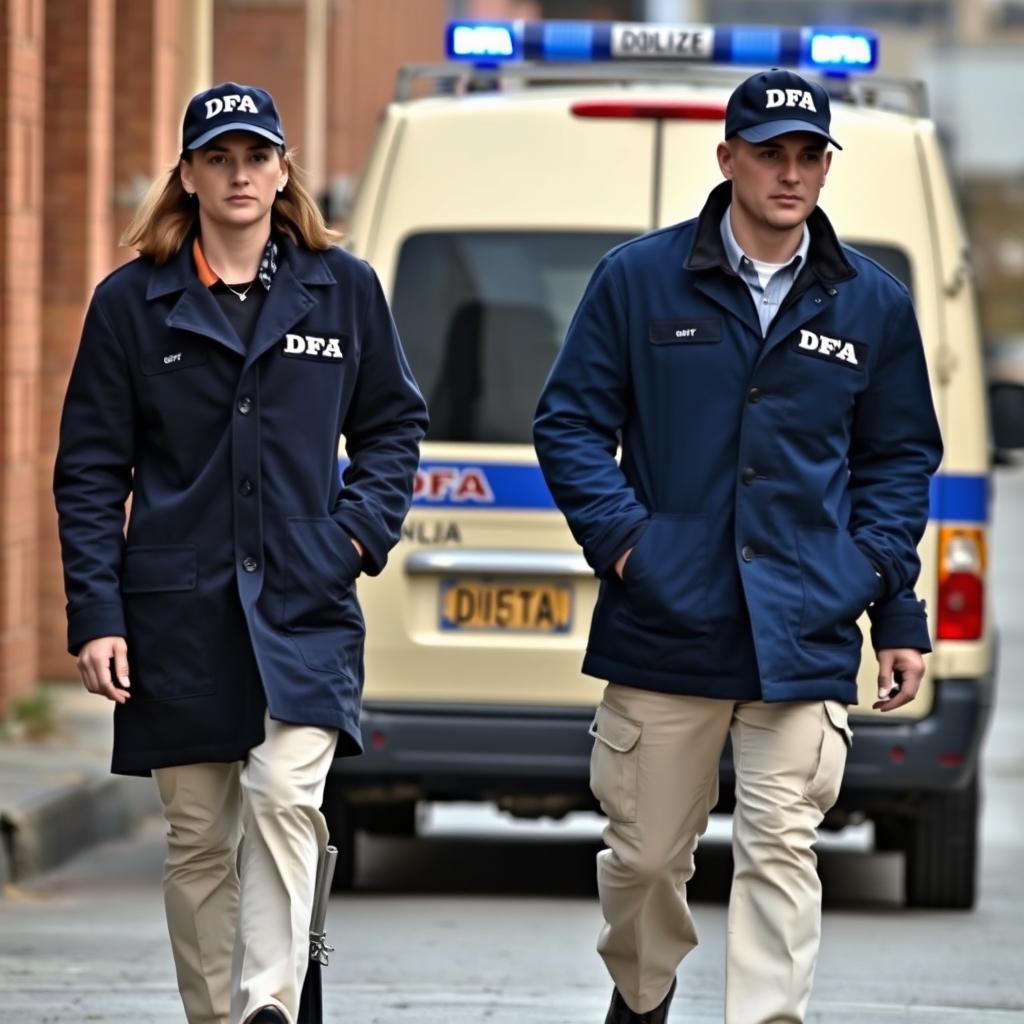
(754, 395)
(244, 405)
(748, 476)
(246, 487)
(250, 564)
(747, 553)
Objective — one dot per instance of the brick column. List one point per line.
(147, 114)
(367, 45)
(21, 110)
(78, 240)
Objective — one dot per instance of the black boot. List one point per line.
(268, 1015)
(620, 1013)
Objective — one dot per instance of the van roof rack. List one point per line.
(902, 95)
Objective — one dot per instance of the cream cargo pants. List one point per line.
(239, 921)
(654, 768)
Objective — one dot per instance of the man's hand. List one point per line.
(620, 562)
(909, 663)
(94, 667)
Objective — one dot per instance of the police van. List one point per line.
(497, 181)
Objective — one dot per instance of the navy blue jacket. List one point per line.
(235, 584)
(772, 489)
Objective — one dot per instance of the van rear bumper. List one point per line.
(466, 751)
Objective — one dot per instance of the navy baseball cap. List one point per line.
(230, 107)
(772, 103)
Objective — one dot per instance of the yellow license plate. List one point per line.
(508, 606)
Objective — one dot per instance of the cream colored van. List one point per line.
(489, 197)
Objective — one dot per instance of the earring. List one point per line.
(280, 188)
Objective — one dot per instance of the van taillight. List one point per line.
(961, 584)
(663, 109)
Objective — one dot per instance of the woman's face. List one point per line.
(235, 178)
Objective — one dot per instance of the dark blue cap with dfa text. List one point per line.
(230, 107)
(772, 103)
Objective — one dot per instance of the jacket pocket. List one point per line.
(665, 577)
(168, 655)
(839, 582)
(614, 762)
(322, 564)
(835, 740)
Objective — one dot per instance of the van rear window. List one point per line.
(482, 315)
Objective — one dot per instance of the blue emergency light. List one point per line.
(823, 49)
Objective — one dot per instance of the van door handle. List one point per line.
(497, 562)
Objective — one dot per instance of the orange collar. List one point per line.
(203, 269)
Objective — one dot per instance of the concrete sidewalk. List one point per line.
(57, 795)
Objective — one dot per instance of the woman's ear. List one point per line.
(187, 181)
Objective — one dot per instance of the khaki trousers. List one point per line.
(654, 768)
(242, 848)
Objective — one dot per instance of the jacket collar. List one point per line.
(825, 256)
(177, 273)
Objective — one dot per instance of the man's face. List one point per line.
(776, 183)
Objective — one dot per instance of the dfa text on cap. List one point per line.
(230, 107)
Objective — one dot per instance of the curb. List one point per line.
(50, 828)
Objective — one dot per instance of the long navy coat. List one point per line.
(773, 487)
(235, 584)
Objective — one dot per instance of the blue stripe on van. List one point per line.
(954, 496)
(960, 498)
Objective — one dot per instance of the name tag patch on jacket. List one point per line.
(835, 350)
(686, 332)
(313, 346)
(167, 360)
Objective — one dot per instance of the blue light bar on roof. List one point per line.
(824, 49)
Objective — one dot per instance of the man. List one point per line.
(768, 389)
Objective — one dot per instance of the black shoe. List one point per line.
(620, 1013)
(268, 1015)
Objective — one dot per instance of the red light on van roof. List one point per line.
(668, 110)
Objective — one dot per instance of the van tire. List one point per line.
(941, 848)
(341, 827)
(394, 819)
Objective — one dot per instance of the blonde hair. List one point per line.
(167, 214)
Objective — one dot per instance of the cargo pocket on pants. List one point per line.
(836, 739)
(613, 763)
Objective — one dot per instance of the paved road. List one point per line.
(488, 922)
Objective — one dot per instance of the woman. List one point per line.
(215, 376)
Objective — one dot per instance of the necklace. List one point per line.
(241, 294)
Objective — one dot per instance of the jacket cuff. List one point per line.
(603, 557)
(900, 622)
(94, 621)
(368, 533)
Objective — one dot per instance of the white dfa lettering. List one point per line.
(229, 103)
(312, 345)
(789, 98)
(834, 347)
(689, 333)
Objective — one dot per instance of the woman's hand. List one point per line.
(94, 667)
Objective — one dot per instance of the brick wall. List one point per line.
(77, 243)
(368, 43)
(21, 69)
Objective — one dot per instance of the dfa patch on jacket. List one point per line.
(317, 347)
(852, 354)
